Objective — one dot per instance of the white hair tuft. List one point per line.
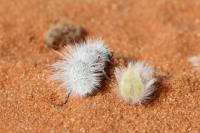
(195, 61)
(83, 66)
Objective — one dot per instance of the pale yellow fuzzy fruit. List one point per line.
(135, 83)
(130, 86)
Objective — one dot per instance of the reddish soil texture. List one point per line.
(163, 33)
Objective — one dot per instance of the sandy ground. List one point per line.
(163, 33)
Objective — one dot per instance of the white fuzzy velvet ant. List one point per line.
(135, 82)
(82, 68)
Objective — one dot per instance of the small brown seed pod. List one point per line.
(62, 33)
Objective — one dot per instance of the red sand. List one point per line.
(163, 33)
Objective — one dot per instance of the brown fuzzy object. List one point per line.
(63, 33)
